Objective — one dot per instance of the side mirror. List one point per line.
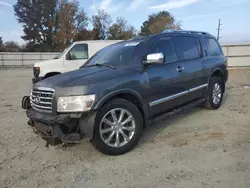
(156, 58)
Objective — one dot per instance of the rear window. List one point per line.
(188, 47)
(213, 47)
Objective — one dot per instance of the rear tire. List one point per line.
(112, 135)
(215, 93)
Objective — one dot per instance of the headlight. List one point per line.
(75, 103)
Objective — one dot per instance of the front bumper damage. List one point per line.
(60, 128)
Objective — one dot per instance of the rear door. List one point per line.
(76, 57)
(193, 75)
(164, 79)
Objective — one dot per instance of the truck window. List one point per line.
(213, 47)
(188, 47)
(78, 51)
(165, 46)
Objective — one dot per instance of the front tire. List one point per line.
(215, 93)
(118, 127)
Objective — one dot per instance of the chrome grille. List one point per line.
(41, 98)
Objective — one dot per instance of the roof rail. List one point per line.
(186, 31)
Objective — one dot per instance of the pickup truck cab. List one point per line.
(127, 85)
(73, 57)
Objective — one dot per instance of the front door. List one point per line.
(165, 83)
(76, 57)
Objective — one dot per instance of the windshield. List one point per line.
(116, 55)
(59, 56)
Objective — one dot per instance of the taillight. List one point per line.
(36, 71)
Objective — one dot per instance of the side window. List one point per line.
(78, 51)
(188, 47)
(165, 46)
(213, 47)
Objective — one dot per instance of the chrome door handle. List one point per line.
(180, 69)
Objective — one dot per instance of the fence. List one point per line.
(23, 59)
(238, 56)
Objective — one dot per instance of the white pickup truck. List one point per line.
(70, 59)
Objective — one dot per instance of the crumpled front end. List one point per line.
(60, 128)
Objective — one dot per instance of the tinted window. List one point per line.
(165, 46)
(79, 51)
(213, 47)
(188, 47)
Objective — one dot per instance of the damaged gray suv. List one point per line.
(125, 86)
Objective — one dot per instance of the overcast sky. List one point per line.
(193, 15)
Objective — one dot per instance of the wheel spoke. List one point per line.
(217, 99)
(219, 91)
(114, 116)
(121, 116)
(127, 120)
(106, 130)
(130, 129)
(213, 95)
(117, 141)
(214, 99)
(217, 86)
(110, 137)
(105, 120)
(126, 138)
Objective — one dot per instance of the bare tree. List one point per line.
(11, 46)
(101, 23)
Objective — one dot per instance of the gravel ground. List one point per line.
(195, 149)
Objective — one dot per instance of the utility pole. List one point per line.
(218, 29)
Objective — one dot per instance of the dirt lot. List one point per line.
(195, 149)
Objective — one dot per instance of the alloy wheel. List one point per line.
(117, 127)
(216, 95)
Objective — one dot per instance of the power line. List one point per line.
(218, 29)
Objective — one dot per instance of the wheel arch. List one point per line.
(49, 74)
(128, 95)
(217, 72)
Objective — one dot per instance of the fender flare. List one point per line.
(215, 70)
(54, 73)
(112, 94)
(210, 76)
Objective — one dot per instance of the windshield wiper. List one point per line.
(101, 65)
